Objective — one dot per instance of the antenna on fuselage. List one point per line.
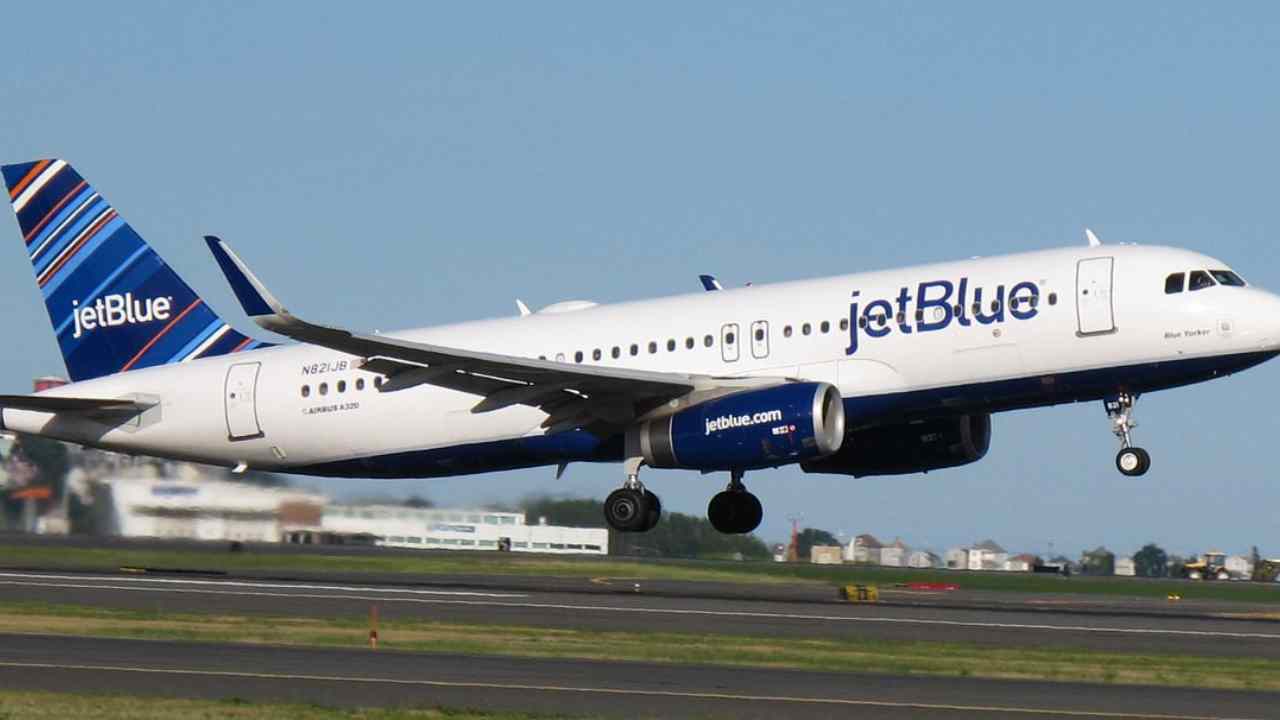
(524, 309)
(1093, 239)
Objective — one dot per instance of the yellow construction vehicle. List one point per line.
(1209, 566)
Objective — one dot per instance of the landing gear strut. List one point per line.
(735, 511)
(632, 508)
(1131, 461)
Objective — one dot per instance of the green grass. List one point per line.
(487, 563)
(32, 705)
(838, 655)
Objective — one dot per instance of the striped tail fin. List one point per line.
(115, 305)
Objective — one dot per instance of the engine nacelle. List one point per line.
(746, 430)
(909, 448)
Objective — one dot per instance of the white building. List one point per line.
(826, 554)
(894, 555)
(1126, 566)
(202, 509)
(987, 555)
(1026, 562)
(1239, 566)
(446, 529)
(864, 548)
(957, 558)
(923, 559)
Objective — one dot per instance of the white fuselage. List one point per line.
(1095, 328)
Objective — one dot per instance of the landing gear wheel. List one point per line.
(735, 512)
(1133, 461)
(655, 511)
(626, 510)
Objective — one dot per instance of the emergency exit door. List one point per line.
(1094, 308)
(241, 399)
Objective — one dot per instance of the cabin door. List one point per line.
(1093, 296)
(241, 396)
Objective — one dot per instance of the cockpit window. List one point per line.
(1200, 280)
(1226, 277)
(1173, 283)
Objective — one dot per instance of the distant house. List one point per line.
(923, 559)
(826, 554)
(865, 549)
(957, 559)
(894, 555)
(1239, 566)
(987, 555)
(1025, 562)
(1125, 566)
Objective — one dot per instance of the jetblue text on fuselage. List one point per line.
(114, 310)
(935, 305)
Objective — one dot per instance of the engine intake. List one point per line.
(909, 448)
(747, 430)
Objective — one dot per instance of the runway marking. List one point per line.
(634, 692)
(256, 584)
(496, 602)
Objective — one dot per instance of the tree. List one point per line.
(417, 501)
(49, 457)
(1151, 561)
(809, 537)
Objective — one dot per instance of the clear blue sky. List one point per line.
(398, 165)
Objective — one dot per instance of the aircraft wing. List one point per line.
(572, 395)
(44, 403)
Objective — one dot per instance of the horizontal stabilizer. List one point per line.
(42, 403)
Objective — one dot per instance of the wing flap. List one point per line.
(42, 403)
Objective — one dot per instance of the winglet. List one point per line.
(524, 309)
(258, 302)
(710, 283)
(1093, 239)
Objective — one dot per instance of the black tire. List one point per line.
(750, 513)
(1132, 462)
(720, 512)
(1145, 458)
(655, 511)
(626, 510)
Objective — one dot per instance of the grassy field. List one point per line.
(838, 655)
(216, 558)
(21, 705)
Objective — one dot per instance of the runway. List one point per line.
(601, 689)
(626, 609)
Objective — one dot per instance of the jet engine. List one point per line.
(909, 448)
(746, 430)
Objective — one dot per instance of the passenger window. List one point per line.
(360, 382)
(671, 345)
(862, 321)
(1174, 283)
(635, 349)
(729, 339)
(306, 391)
(615, 352)
(342, 386)
(1228, 278)
(324, 388)
(844, 324)
(577, 357)
(595, 354)
(806, 328)
(786, 331)
(825, 327)
(1199, 280)
(708, 341)
(759, 334)
(1053, 298)
(653, 347)
(688, 343)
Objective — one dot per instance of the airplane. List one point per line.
(872, 373)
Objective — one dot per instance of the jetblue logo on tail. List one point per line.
(115, 310)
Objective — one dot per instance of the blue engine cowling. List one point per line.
(751, 429)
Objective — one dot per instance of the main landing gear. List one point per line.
(1131, 461)
(735, 510)
(632, 508)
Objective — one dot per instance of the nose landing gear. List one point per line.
(735, 511)
(632, 507)
(1131, 461)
